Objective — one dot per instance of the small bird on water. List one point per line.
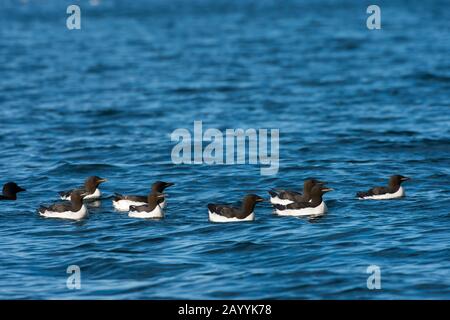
(152, 209)
(123, 202)
(224, 213)
(286, 197)
(73, 210)
(394, 190)
(10, 191)
(90, 188)
(315, 206)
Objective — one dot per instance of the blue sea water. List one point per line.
(353, 106)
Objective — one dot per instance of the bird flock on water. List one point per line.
(309, 202)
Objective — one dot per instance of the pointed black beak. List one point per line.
(169, 184)
(327, 189)
(405, 178)
(20, 189)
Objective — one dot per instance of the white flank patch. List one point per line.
(65, 198)
(97, 194)
(277, 200)
(400, 193)
(124, 205)
(320, 209)
(214, 217)
(156, 213)
(81, 214)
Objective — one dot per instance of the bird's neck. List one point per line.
(77, 205)
(153, 202)
(91, 187)
(306, 194)
(393, 187)
(248, 206)
(316, 200)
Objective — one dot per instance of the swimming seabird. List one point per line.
(73, 210)
(392, 191)
(315, 206)
(224, 213)
(123, 202)
(286, 197)
(151, 209)
(90, 188)
(10, 191)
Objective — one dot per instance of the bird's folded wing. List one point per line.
(60, 207)
(225, 211)
(298, 205)
(379, 190)
(132, 198)
(291, 195)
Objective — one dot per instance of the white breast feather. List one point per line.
(214, 217)
(398, 194)
(156, 213)
(81, 214)
(277, 200)
(124, 205)
(97, 194)
(320, 209)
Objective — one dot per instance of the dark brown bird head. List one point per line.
(310, 183)
(11, 189)
(252, 198)
(397, 180)
(320, 190)
(92, 183)
(160, 186)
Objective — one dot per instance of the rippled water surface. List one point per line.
(353, 106)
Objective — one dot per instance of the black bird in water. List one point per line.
(10, 191)
(224, 213)
(123, 202)
(149, 210)
(314, 207)
(392, 191)
(286, 196)
(90, 188)
(73, 210)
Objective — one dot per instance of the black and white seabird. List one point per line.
(285, 197)
(10, 191)
(73, 210)
(90, 188)
(392, 191)
(151, 209)
(224, 213)
(315, 206)
(123, 202)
